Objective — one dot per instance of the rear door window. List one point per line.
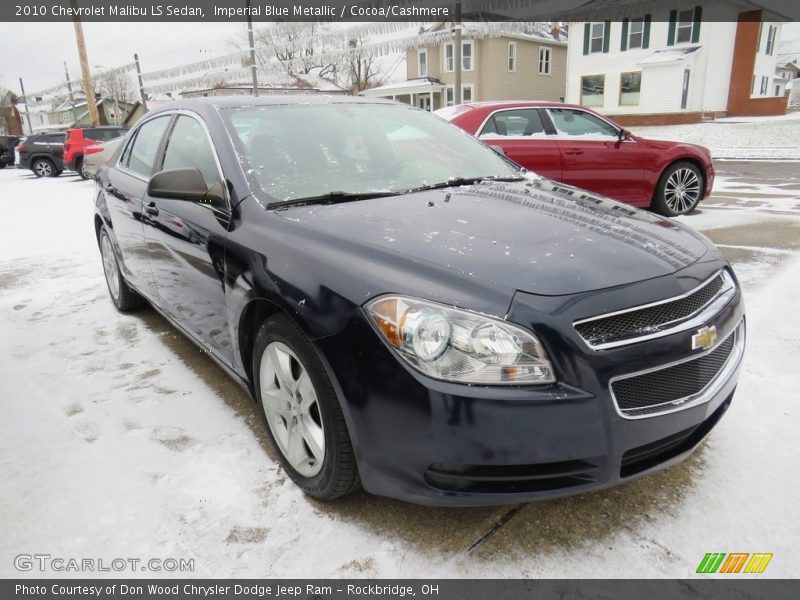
(140, 155)
(517, 123)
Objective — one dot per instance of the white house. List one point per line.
(679, 63)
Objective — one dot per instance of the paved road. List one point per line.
(72, 353)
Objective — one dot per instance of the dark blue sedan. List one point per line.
(413, 312)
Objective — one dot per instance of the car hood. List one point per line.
(538, 236)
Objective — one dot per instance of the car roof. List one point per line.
(518, 104)
(222, 102)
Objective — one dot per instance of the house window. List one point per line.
(596, 38)
(512, 56)
(466, 56)
(764, 84)
(630, 84)
(466, 94)
(683, 33)
(635, 33)
(422, 66)
(544, 61)
(593, 90)
(449, 58)
(771, 39)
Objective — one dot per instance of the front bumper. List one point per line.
(438, 443)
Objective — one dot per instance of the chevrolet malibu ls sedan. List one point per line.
(411, 311)
(577, 146)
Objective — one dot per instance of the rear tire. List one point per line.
(44, 167)
(679, 189)
(122, 295)
(82, 171)
(301, 411)
(2, 165)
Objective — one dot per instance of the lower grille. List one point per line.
(642, 458)
(483, 479)
(665, 389)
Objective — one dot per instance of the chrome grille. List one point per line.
(631, 325)
(674, 386)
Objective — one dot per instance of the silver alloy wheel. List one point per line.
(84, 173)
(110, 266)
(292, 410)
(682, 190)
(43, 168)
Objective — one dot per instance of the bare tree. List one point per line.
(361, 65)
(114, 84)
(299, 48)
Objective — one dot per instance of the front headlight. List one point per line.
(460, 346)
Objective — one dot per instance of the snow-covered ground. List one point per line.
(737, 137)
(120, 439)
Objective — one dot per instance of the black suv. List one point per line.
(43, 153)
(7, 145)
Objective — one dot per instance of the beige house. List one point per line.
(498, 63)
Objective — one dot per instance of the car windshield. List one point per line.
(294, 152)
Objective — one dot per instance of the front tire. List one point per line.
(679, 189)
(44, 167)
(123, 297)
(302, 413)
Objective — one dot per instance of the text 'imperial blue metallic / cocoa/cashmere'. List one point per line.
(413, 312)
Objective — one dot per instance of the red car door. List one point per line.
(595, 159)
(521, 135)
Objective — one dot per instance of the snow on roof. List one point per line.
(420, 84)
(670, 55)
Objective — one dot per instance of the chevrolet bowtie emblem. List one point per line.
(704, 338)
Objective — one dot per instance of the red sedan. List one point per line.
(577, 146)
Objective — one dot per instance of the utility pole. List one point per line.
(27, 113)
(253, 68)
(141, 84)
(457, 57)
(88, 87)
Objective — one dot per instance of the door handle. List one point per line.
(573, 152)
(110, 188)
(151, 209)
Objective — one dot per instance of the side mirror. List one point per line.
(186, 184)
(623, 134)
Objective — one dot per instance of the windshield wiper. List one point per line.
(459, 181)
(331, 198)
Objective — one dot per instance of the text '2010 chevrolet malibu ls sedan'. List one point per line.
(411, 311)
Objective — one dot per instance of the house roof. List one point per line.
(420, 85)
(668, 56)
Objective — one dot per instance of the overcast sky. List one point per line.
(36, 52)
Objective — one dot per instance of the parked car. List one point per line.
(43, 154)
(7, 145)
(413, 312)
(577, 146)
(96, 155)
(79, 138)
